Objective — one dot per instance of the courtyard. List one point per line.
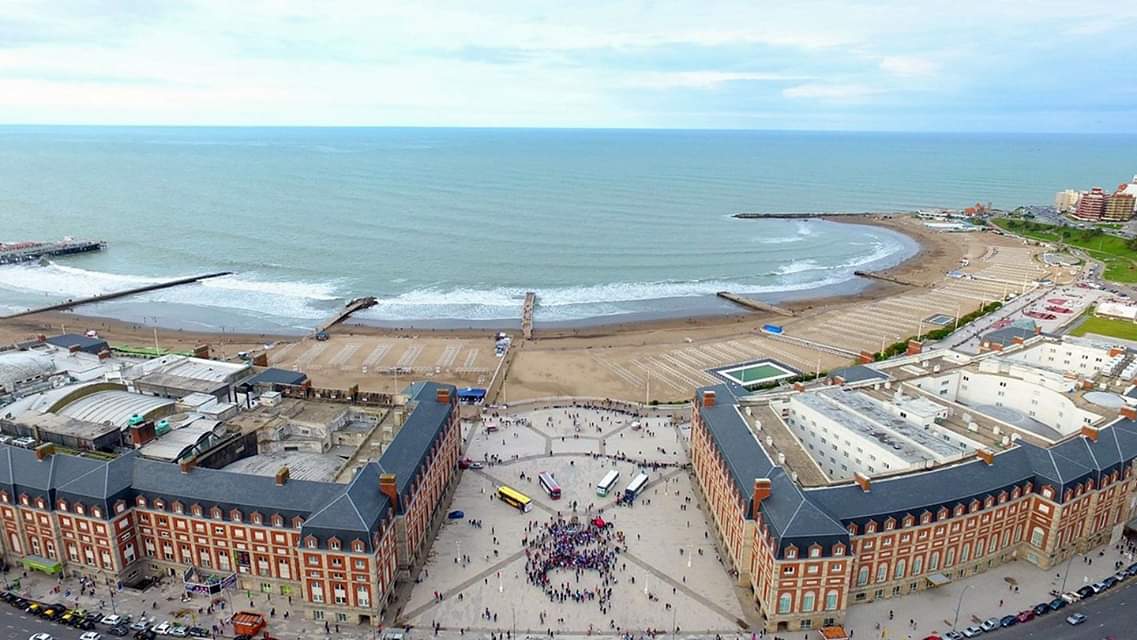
(665, 569)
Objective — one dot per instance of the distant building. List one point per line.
(1091, 206)
(1119, 207)
(1067, 201)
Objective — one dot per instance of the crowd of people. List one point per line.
(575, 546)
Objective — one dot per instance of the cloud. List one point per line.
(908, 66)
(705, 79)
(831, 92)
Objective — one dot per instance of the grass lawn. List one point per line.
(1120, 260)
(1123, 329)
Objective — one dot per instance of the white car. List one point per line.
(178, 631)
(990, 624)
(40, 636)
(163, 629)
(91, 635)
(972, 631)
(112, 621)
(1076, 619)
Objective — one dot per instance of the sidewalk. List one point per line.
(989, 594)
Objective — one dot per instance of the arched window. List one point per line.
(917, 565)
(965, 552)
(934, 561)
(808, 602)
(882, 572)
(863, 577)
(901, 567)
(1036, 536)
(949, 557)
(785, 603)
(831, 601)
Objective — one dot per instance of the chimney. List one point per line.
(105, 354)
(142, 433)
(443, 396)
(201, 351)
(915, 347)
(862, 481)
(45, 451)
(986, 455)
(261, 360)
(866, 357)
(186, 465)
(282, 476)
(709, 398)
(73, 349)
(1091, 433)
(1037, 330)
(41, 338)
(995, 346)
(1018, 340)
(761, 492)
(837, 381)
(1128, 412)
(390, 488)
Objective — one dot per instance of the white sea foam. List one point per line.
(800, 266)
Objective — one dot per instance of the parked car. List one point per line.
(91, 635)
(1071, 597)
(1087, 591)
(1008, 621)
(40, 636)
(1041, 609)
(120, 631)
(1025, 616)
(951, 635)
(972, 631)
(1098, 587)
(113, 620)
(1110, 582)
(1057, 604)
(163, 628)
(990, 624)
(198, 632)
(140, 625)
(178, 631)
(1076, 618)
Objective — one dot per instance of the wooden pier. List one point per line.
(877, 276)
(358, 304)
(754, 305)
(527, 315)
(70, 304)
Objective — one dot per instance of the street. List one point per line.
(1110, 613)
(17, 625)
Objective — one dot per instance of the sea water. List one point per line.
(452, 226)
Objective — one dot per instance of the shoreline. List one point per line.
(931, 248)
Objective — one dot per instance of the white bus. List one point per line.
(635, 488)
(607, 483)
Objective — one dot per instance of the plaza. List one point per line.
(670, 573)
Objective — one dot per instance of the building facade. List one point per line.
(1091, 206)
(335, 548)
(809, 553)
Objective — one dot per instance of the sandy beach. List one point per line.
(558, 362)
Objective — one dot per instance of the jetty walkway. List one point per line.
(70, 304)
(527, 315)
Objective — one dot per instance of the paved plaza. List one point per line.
(475, 578)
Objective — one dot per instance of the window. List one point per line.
(882, 572)
(808, 601)
(863, 577)
(901, 567)
(1036, 536)
(831, 601)
(934, 561)
(965, 552)
(340, 594)
(317, 592)
(785, 603)
(362, 596)
(917, 565)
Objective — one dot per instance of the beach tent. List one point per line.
(471, 394)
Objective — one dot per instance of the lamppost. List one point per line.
(959, 604)
(1067, 573)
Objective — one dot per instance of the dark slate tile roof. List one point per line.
(858, 373)
(1007, 335)
(407, 452)
(88, 345)
(277, 376)
(357, 512)
(744, 456)
(793, 519)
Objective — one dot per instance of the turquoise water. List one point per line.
(453, 225)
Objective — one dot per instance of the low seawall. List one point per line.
(754, 305)
(805, 215)
(884, 278)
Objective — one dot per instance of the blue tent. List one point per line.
(472, 394)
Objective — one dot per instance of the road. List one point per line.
(17, 625)
(1111, 613)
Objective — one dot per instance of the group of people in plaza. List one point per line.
(575, 546)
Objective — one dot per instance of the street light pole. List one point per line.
(959, 604)
(1067, 573)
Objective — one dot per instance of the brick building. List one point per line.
(336, 549)
(809, 553)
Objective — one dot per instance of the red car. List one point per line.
(1025, 616)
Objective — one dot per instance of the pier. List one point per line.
(884, 278)
(70, 304)
(358, 304)
(527, 315)
(806, 215)
(29, 251)
(754, 305)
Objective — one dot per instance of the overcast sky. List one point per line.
(990, 65)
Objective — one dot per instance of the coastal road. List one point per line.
(1113, 613)
(17, 625)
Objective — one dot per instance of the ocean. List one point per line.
(449, 227)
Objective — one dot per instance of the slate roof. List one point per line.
(273, 375)
(794, 519)
(1007, 335)
(858, 373)
(407, 453)
(355, 513)
(744, 456)
(85, 344)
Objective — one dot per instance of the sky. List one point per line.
(915, 65)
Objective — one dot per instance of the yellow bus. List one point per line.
(515, 498)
